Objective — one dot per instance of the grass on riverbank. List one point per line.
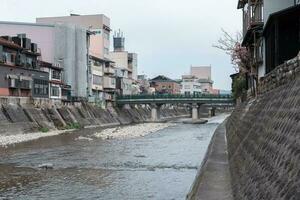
(73, 126)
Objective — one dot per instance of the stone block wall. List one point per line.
(281, 75)
(264, 139)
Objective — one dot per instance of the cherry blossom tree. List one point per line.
(232, 45)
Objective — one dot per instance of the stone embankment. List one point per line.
(18, 120)
(264, 139)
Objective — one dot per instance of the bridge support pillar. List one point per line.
(212, 112)
(195, 112)
(155, 112)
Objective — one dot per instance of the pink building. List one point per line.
(201, 72)
(98, 24)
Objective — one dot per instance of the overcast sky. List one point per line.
(168, 35)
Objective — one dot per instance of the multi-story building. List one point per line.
(98, 24)
(98, 53)
(270, 33)
(190, 85)
(20, 73)
(58, 91)
(165, 85)
(61, 44)
(125, 65)
(203, 74)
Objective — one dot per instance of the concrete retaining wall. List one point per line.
(264, 139)
(16, 118)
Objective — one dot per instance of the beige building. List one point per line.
(98, 24)
(125, 66)
(203, 74)
(101, 80)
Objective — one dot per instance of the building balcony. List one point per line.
(252, 16)
(109, 82)
(109, 70)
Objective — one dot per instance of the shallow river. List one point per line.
(161, 165)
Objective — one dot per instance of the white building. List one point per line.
(190, 85)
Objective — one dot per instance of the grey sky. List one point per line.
(168, 35)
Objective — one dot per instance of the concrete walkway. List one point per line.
(213, 179)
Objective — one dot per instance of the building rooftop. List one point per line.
(162, 78)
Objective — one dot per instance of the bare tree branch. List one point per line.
(231, 45)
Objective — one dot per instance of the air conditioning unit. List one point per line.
(26, 43)
(17, 40)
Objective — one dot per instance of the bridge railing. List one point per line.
(173, 96)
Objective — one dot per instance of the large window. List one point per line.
(97, 80)
(56, 74)
(40, 87)
(54, 91)
(25, 84)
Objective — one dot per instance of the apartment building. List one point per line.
(203, 74)
(58, 91)
(64, 45)
(20, 74)
(98, 26)
(190, 85)
(125, 65)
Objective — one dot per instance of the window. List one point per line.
(40, 87)
(55, 91)
(56, 74)
(113, 81)
(106, 35)
(97, 63)
(97, 80)
(29, 62)
(187, 87)
(25, 84)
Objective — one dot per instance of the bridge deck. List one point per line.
(175, 99)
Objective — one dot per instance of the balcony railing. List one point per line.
(253, 16)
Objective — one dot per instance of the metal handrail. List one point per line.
(174, 96)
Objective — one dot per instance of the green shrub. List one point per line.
(239, 87)
(44, 129)
(73, 126)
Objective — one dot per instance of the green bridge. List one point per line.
(175, 99)
(193, 101)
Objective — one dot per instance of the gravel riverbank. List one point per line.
(132, 131)
(18, 138)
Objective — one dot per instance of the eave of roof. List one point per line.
(10, 44)
(280, 13)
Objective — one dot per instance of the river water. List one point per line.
(161, 165)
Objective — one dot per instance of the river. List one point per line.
(160, 165)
